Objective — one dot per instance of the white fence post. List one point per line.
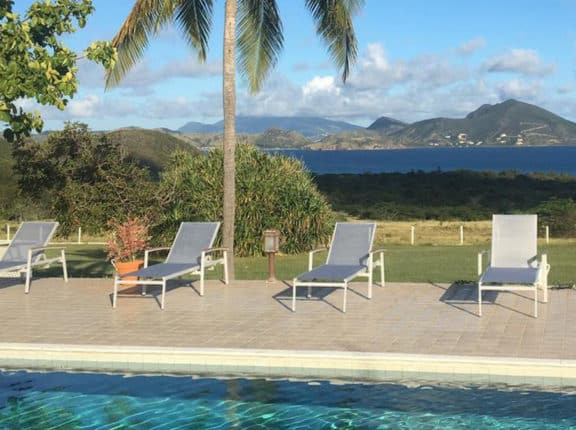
(461, 235)
(412, 228)
(79, 235)
(547, 233)
(7, 231)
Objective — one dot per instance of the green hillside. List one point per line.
(150, 148)
(508, 123)
(276, 138)
(360, 139)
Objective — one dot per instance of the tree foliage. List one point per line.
(83, 180)
(272, 192)
(35, 64)
(560, 215)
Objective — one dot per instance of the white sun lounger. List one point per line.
(26, 250)
(191, 253)
(349, 256)
(514, 261)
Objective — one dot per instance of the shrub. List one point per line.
(83, 180)
(559, 215)
(127, 239)
(271, 192)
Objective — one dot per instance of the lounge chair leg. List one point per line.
(345, 294)
(226, 267)
(64, 267)
(479, 300)
(115, 295)
(294, 295)
(28, 276)
(370, 277)
(382, 277)
(202, 281)
(163, 293)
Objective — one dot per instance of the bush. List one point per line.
(271, 192)
(83, 180)
(559, 215)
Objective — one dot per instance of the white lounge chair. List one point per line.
(514, 261)
(26, 250)
(349, 256)
(191, 253)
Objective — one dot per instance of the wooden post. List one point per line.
(461, 235)
(412, 228)
(547, 233)
(271, 268)
(79, 235)
(7, 231)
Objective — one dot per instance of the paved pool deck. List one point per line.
(248, 325)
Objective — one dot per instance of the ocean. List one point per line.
(544, 159)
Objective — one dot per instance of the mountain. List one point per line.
(508, 123)
(386, 125)
(359, 139)
(311, 127)
(150, 148)
(276, 138)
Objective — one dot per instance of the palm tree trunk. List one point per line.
(229, 103)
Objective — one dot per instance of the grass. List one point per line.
(404, 263)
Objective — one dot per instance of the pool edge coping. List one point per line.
(288, 363)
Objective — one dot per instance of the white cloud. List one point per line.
(516, 89)
(523, 61)
(84, 108)
(320, 84)
(471, 46)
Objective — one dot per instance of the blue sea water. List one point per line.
(548, 159)
(99, 401)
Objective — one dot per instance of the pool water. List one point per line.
(100, 401)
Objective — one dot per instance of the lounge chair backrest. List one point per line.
(31, 234)
(351, 243)
(514, 240)
(191, 239)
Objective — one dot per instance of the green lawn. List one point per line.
(404, 263)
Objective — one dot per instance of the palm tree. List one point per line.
(259, 40)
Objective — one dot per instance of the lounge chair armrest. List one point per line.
(544, 262)
(311, 256)
(149, 251)
(162, 248)
(380, 252)
(480, 265)
(211, 250)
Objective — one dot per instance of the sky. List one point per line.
(417, 59)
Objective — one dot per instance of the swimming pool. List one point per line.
(61, 400)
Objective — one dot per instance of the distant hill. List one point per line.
(150, 148)
(386, 125)
(276, 138)
(508, 123)
(360, 139)
(311, 127)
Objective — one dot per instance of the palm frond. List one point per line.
(260, 40)
(334, 24)
(195, 19)
(146, 18)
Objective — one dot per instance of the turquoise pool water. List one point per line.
(97, 401)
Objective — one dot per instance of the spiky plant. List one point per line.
(273, 192)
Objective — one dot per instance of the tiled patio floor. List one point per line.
(401, 318)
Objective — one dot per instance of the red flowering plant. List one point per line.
(127, 239)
